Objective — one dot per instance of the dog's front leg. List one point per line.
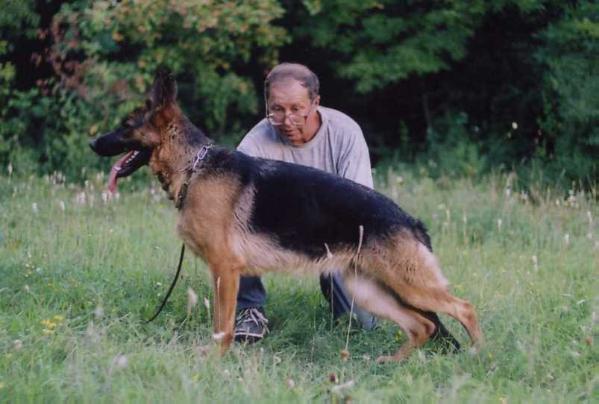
(226, 285)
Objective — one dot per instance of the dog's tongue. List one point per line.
(115, 170)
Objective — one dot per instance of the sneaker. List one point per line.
(250, 325)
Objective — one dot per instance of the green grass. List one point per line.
(79, 276)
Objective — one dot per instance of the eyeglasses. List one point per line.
(297, 118)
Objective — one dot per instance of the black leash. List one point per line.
(172, 284)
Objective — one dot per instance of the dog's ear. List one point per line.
(164, 89)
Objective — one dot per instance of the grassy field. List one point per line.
(79, 274)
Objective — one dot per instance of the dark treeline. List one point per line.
(461, 87)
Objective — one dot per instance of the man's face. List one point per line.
(291, 100)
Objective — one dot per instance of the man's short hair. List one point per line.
(296, 71)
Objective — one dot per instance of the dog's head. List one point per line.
(139, 133)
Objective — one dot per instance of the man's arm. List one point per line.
(354, 161)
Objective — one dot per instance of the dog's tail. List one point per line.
(419, 231)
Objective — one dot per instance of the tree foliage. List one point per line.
(509, 76)
(210, 42)
(102, 56)
(384, 42)
(570, 55)
(469, 85)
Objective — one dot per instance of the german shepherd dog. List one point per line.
(247, 216)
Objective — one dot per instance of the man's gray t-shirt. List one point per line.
(338, 147)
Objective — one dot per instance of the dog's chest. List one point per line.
(205, 220)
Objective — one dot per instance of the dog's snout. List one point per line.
(110, 144)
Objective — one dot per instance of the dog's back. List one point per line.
(305, 209)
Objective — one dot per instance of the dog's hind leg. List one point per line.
(411, 270)
(226, 285)
(441, 301)
(381, 302)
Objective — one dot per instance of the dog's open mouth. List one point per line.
(127, 165)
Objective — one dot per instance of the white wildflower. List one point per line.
(80, 198)
(120, 361)
(571, 201)
(192, 300)
(99, 312)
(106, 196)
(338, 389)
